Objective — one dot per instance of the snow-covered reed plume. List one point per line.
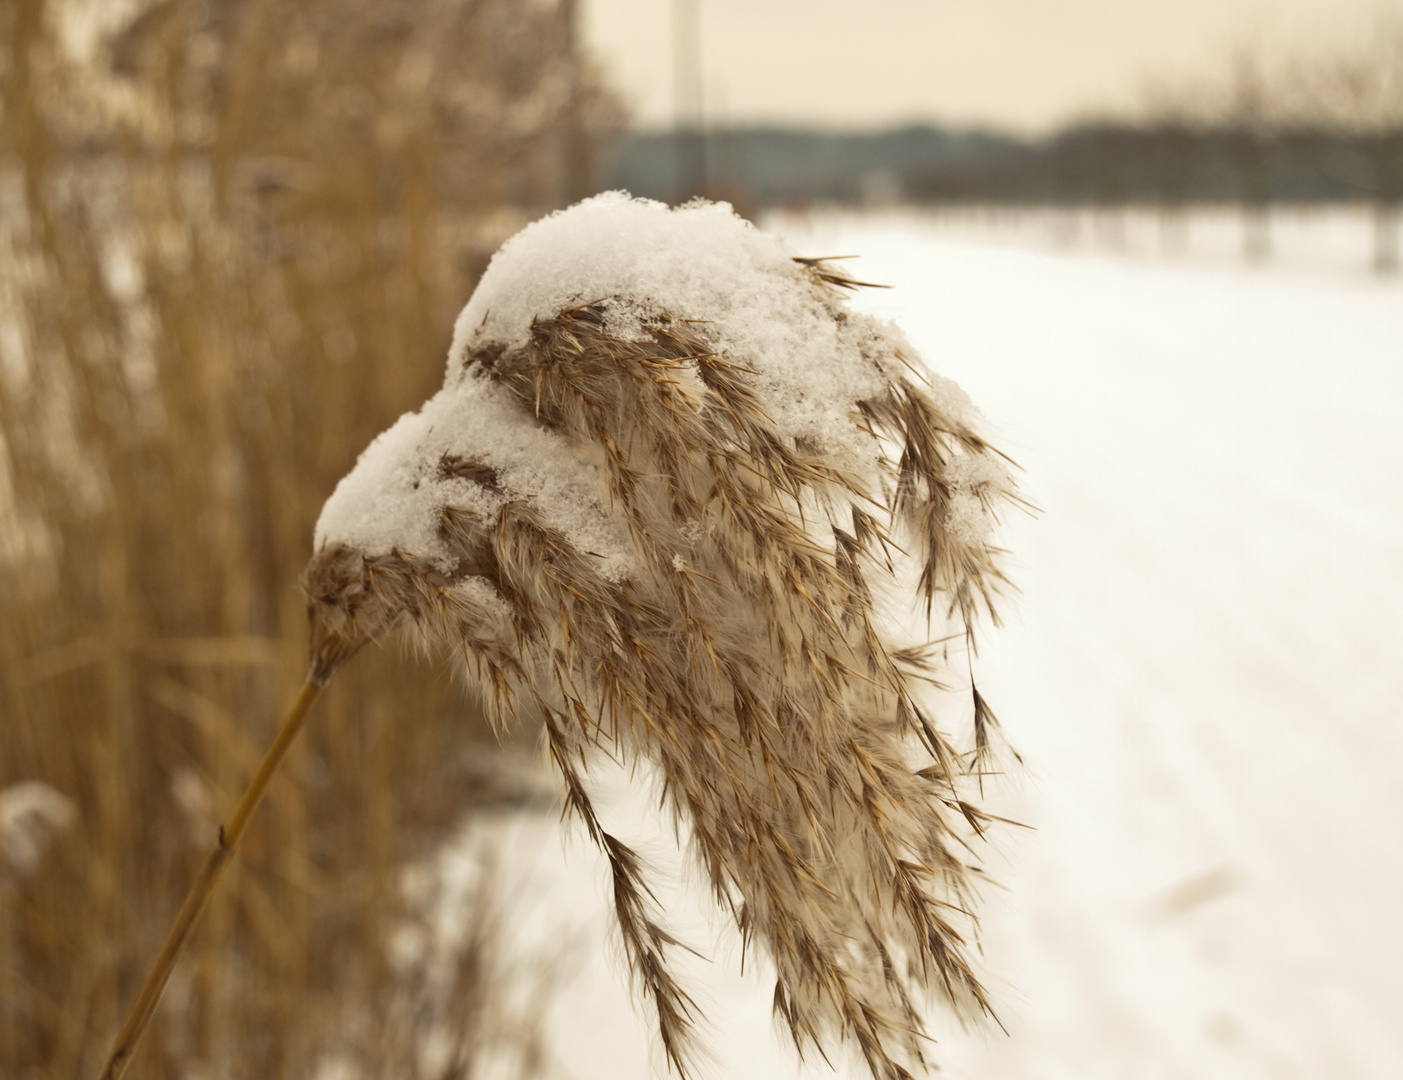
(658, 499)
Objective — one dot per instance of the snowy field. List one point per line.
(1312, 238)
(1203, 674)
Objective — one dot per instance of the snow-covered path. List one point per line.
(1204, 672)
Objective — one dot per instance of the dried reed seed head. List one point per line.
(660, 499)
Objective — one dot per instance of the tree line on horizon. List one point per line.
(1261, 130)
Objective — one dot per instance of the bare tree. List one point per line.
(1356, 97)
(1176, 127)
(1248, 125)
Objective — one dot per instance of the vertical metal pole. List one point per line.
(578, 164)
(687, 99)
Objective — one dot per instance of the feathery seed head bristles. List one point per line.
(653, 502)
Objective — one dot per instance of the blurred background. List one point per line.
(1085, 115)
(1158, 242)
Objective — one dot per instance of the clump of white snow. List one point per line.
(974, 482)
(393, 498)
(641, 262)
(738, 286)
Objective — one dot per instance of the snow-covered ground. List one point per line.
(1310, 237)
(1204, 675)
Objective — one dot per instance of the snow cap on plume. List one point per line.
(667, 491)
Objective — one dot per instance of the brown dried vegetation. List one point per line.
(232, 240)
(746, 659)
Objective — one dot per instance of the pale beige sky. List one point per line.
(1026, 64)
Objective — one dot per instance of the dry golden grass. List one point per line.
(231, 246)
(746, 653)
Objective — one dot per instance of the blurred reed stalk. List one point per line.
(198, 898)
(232, 240)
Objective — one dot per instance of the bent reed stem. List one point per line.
(204, 885)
